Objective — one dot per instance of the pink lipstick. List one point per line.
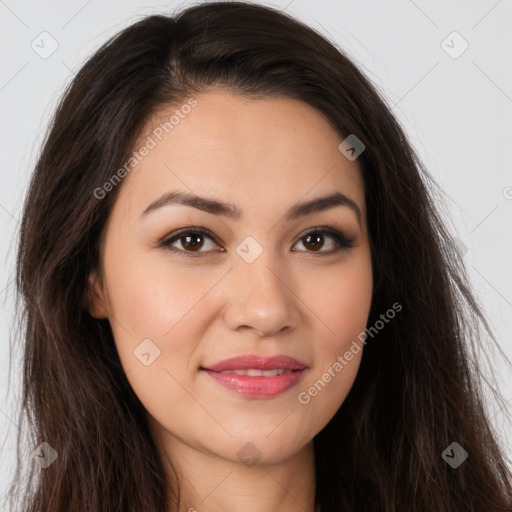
(256, 376)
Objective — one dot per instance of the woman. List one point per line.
(238, 292)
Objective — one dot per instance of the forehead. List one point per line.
(248, 151)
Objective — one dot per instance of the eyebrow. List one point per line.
(229, 210)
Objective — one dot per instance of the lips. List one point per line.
(255, 376)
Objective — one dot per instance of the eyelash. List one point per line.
(342, 241)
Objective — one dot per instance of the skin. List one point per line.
(262, 156)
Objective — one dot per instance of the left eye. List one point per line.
(315, 239)
(192, 242)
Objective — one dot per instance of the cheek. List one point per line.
(151, 301)
(155, 310)
(341, 302)
(151, 292)
(340, 299)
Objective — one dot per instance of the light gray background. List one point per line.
(456, 111)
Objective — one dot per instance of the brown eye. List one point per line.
(315, 240)
(192, 242)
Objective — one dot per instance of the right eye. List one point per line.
(191, 240)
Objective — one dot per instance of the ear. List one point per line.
(95, 301)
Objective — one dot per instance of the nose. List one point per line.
(261, 299)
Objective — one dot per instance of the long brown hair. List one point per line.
(419, 386)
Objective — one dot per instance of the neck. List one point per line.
(209, 483)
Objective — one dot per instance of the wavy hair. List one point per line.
(420, 382)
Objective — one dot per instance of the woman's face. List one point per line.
(249, 284)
